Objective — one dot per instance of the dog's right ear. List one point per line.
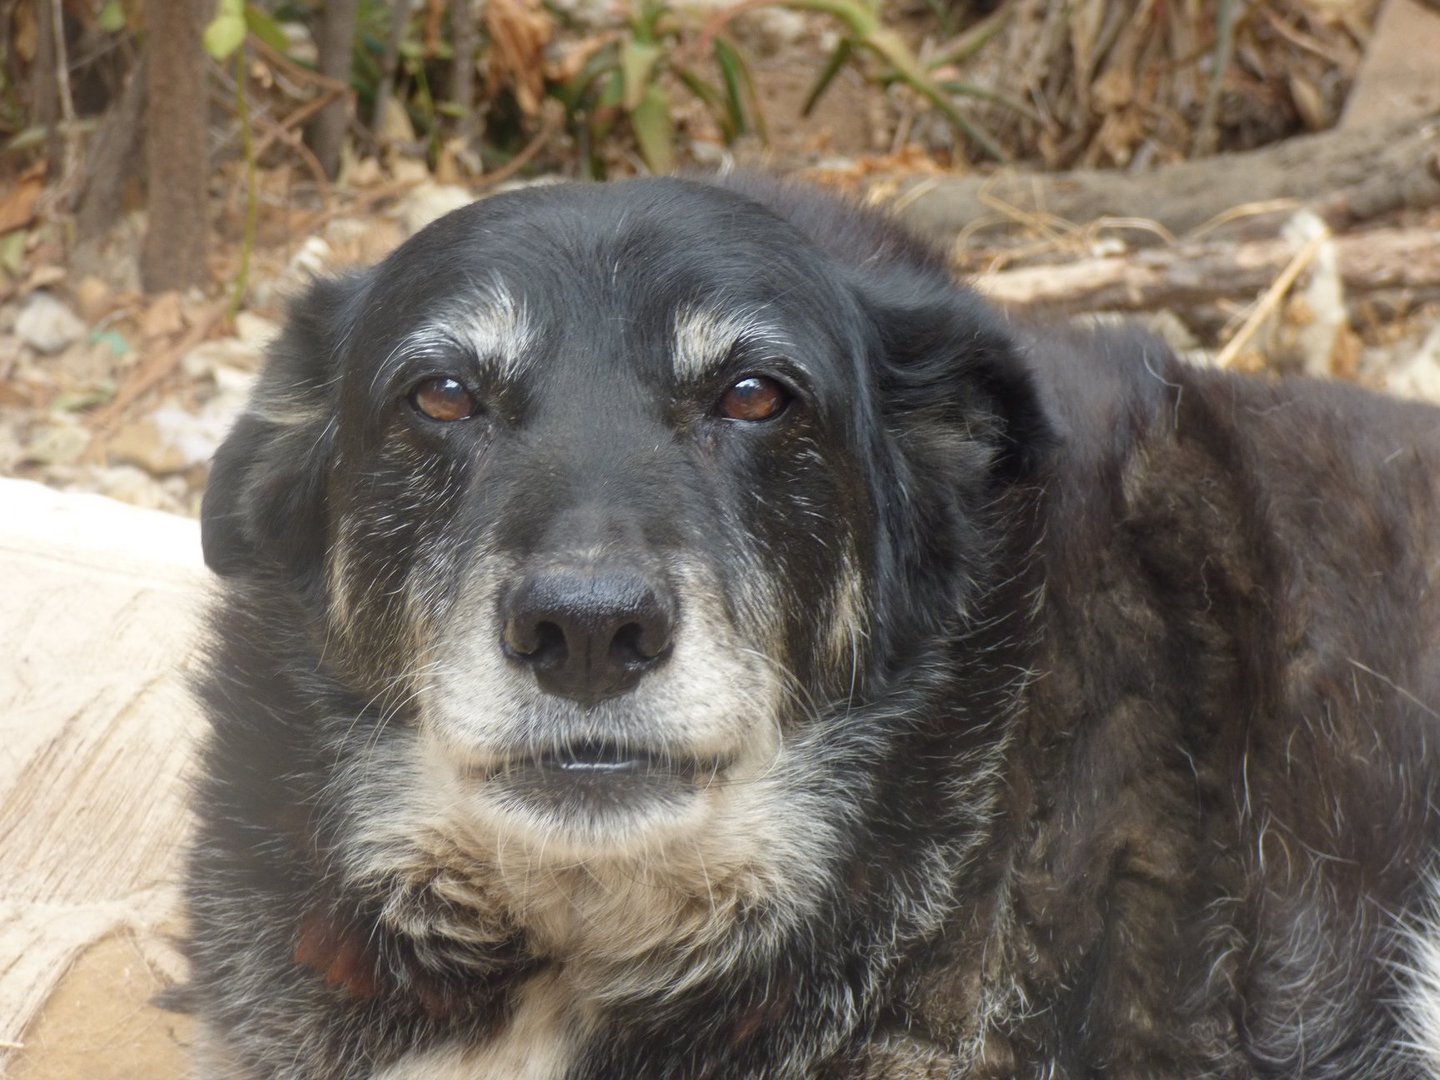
(264, 506)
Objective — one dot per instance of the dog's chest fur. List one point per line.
(539, 1042)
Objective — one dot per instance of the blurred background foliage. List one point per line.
(473, 90)
(1062, 83)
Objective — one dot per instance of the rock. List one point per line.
(255, 330)
(209, 358)
(57, 440)
(131, 485)
(94, 298)
(162, 318)
(171, 440)
(47, 325)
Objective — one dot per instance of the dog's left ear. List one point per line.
(264, 509)
(947, 361)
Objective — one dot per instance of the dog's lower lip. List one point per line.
(603, 760)
(589, 782)
(587, 765)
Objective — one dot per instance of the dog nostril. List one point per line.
(538, 642)
(633, 645)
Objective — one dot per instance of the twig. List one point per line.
(1271, 300)
(282, 131)
(296, 71)
(67, 101)
(1236, 213)
(399, 20)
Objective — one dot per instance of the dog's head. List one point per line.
(620, 496)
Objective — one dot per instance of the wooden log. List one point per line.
(1188, 274)
(1347, 176)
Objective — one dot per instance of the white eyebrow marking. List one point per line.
(490, 321)
(705, 336)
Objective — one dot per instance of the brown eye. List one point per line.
(444, 399)
(753, 398)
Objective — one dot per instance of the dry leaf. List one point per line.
(17, 207)
(162, 318)
(519, 31)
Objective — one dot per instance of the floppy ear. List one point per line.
(948, 364)
(264, 506)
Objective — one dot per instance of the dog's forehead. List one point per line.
(681, 270)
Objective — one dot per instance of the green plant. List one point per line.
(866, 32)
(628, 82)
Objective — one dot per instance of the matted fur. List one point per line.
(1049, 708)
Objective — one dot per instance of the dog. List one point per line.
(672, 629)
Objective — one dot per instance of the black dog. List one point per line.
(672, 630)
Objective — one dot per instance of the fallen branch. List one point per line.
(1345, 175)
(1203, 273)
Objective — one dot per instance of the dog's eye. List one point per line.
(444, 399)
(754, 397)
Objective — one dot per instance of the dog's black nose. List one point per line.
(588, 633)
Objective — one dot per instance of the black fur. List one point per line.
(1131, 771)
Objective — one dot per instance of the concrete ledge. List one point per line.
(98, 615)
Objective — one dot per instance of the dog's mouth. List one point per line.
(600, 776)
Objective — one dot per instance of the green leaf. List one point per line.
(837, 60)
(713, 99)
(259, 22)
(654, 131)
(112, 17)
(226, 31)
(571, 94)
(739, 88)
(860, 18)
(637, 66)
(730, 66)
(12, 251)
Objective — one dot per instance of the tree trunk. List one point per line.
(44, 94)
(335, 42)
(462, 83)
(176, 157)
